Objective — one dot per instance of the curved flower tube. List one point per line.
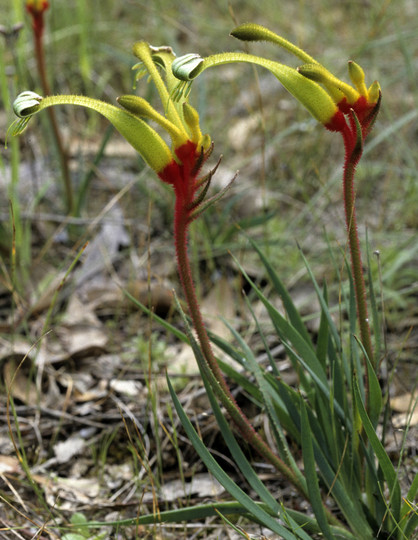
(363, 102)
(308, 92)
(327, 98)
(144, 139)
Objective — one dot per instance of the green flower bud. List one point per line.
(374, 93)
(357, 77)
(256, 32)
(336, 87)
(191, 118)
(140, 107)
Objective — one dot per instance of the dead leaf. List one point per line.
(182, 360)
(242, 129)
(69, 448)
(219, 303)
(152, 294)
(23, 388)
(9, 465)
(403, 402)
(82, 340)
(71, 490)
(201, 485)
(405, 419)
(16, 349)
(128, 388)
(49, 287)
(103, 249)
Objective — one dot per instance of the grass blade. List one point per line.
(311, 474)
(223, 478)
(266, 391)
(386, 466)
(281, 290)
(323, 333)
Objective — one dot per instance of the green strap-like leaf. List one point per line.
(384, 460)
(311, 474)
(267, 392)
(281, 290)
(223, 478)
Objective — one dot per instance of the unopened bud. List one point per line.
(374, 93)
(357, 77)
(336, 87)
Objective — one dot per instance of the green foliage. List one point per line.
(344, 459)
(81, 531)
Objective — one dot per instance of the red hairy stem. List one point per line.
(239, 418)
(353, 153)
(183, 177)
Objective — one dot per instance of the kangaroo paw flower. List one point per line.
(346, 97)
(36, 9)
(178, 165)
(329, 99)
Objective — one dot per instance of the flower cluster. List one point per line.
(348, 109)
(178, 164)
(329, 99)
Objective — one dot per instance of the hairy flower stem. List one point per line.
(63, 157)
(351, 159)
(222, 390)
(239, 418)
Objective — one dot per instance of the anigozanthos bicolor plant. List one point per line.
(178, 165)
(349, 109)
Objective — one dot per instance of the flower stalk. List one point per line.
(36, 9)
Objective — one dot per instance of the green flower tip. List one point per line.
(140, 107)
(191, 117)
(336, 88)
(357, 77)
(253, 32)
(137, 105)
(256, 32)
(26, 104)
(374, 93)
(187, 67)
